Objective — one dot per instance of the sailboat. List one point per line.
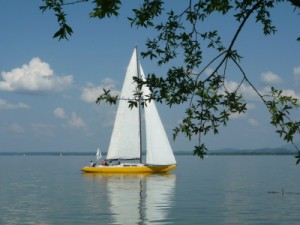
(98, 154)
(126, 139)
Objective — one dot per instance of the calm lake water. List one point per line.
(217, 190)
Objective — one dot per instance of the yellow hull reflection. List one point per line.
(128, 169)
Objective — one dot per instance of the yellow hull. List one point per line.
(128, 169)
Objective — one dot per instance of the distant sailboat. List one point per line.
(98, 154)
(126, 139)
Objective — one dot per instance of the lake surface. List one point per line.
(217, 190)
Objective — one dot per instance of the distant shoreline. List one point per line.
(225, 152)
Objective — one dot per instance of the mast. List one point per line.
(139, 105)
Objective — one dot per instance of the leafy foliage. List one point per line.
(57, 6)
(106, 8)
(210, 103)
(280, 107)
(106, 96)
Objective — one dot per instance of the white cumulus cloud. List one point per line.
(289, 92)
(270, 78)
(249, 94)
(297, 74)
(43, 130)
(72, 121)
(235, 116)
(76, 121)
(285, 92)
(253, 122)
(36, 76)
(90, 92)
(5, 105)
(59, 113)
(16, 128)
(246, 90)
(208, 71)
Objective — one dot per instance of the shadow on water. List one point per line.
(136, 198)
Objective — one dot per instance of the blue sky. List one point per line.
(48, 88)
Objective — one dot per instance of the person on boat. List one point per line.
(106, 163)
(92, 164)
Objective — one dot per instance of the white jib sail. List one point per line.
(125, 140)
(159, 151)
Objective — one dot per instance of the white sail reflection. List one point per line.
(140, 198)
(123, 195)
(159, 197)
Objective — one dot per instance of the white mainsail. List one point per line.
(125, 140)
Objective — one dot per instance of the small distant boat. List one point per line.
(98, 154)
(126, 139)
